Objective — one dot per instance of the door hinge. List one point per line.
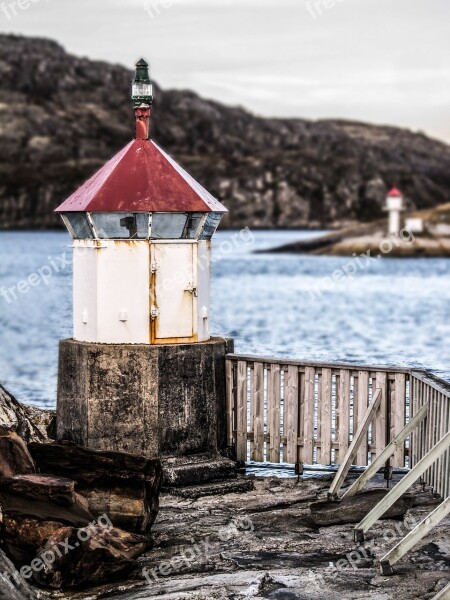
(154, 313)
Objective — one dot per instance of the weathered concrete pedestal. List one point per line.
(166, 401)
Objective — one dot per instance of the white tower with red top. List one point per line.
(142, 373)
(142, 229)
(394, 206)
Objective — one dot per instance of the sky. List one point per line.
(378, 61)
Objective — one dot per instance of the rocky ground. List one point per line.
(258, 541)
(245, 537)
(62, 117)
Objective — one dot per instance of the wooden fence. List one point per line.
(307, 413)
(428, 389)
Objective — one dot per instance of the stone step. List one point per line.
(196, 469)
(220, 488)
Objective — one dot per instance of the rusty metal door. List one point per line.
(173, 291)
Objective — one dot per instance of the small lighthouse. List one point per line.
(394, 206)
(141, 230)
(142, 373)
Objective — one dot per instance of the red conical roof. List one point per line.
(395, 193)
(141, 178)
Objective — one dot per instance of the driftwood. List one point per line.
(107, 554)
(14, 456)
(124, 486)
(355, 508)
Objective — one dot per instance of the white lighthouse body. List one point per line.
(141, 229)
(141, 292)
(394, 206)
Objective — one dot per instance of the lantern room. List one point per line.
(141, 230)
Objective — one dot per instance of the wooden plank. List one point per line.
(432, 381)
(413, 410)
(301, 409)
(241, 420)
(325, 416)
(230, 400)
(251, 393)
(335, 432)
(431, 424)
(398, 417)
(421, 435)
(343, 413)
(378, 511)
(353, 449)
(378, 463)
(414, 537)
(273, 412)
(291, 398)
(307, 417)
(267, 360)
(257, 448)
(443, 594)
(362, 403)
(446, 487)
(438, 434)
(381, 419)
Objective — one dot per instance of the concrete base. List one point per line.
(163, 402)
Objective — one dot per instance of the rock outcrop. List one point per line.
(124, 486)
(34, 507)
(12, 585)
(62, 117)
(14, 456)
(70, 516)
(371, 239)
(32, 424)
(105, 555)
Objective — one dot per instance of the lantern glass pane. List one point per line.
(168, 226)
(121, 226)
(193, 230)
(142, 89)
(212, 223)
(78, 226)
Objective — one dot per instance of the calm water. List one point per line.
(394, 312)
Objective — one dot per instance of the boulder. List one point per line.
(123, 486)
(34, 507)
(14, 456)
(107, 553)
(32, 424)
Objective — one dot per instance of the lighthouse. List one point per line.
(394, 206)
(141, 229)
(142, 373)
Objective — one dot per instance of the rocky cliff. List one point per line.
(62, 117)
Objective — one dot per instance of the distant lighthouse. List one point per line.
(142, 374)
(394, 206)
